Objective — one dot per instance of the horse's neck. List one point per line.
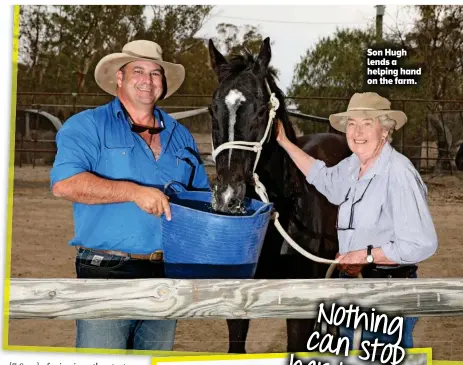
(276, 171)
(275, 166)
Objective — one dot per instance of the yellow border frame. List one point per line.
(158, 361)
(9, 225)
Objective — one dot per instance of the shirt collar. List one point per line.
(118, 112)
(117, 108)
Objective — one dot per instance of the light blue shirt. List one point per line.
(387, 207)
(101, 141)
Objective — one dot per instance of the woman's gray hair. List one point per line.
(388, 124)
(385, 122)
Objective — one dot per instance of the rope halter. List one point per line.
(260, 188)
(253, 146)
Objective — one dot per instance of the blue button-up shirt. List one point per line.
(101, 141)
(387, 207)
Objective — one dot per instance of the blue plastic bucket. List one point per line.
(199, 243)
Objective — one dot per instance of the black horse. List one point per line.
(240, 112)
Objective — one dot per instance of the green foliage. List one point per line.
(335, 67)
(66, 42)
(60, 47)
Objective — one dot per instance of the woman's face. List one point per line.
(365, 137)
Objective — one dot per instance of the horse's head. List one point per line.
(240, 113)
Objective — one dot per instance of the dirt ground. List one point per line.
(43, 225)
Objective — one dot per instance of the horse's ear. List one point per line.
(216, 57)
(265, 54)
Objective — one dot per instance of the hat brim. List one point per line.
(105, 72)
(397, 115)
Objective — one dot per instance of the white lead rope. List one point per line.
(260, 188)
(262, 192)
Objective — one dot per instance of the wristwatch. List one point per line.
(369, 255)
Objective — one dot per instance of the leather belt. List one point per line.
(399, 272)
(154, 256)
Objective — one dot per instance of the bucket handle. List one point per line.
(263, 209)
(173, 182)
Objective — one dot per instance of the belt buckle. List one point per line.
(156, 256)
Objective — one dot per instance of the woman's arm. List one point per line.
(303, 161)
(329, 181)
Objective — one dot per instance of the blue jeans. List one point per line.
(122, 334)
(407, 333)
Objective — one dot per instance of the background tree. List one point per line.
(233, 39)
(335, 67)
(436, 42)
(68, 40)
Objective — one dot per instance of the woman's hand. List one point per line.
(280, 132)
(352, 262)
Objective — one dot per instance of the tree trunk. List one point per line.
(444, 143)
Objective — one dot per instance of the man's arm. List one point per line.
(87, 188)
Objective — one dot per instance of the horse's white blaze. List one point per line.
(233, 101)
(226, 196)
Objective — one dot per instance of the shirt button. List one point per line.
(123, 153)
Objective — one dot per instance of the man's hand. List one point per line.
(152, 201)
(352, 262)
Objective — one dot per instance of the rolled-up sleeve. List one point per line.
(330, 181)
(415, 234)
(78, 148)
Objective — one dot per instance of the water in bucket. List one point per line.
(200, 243)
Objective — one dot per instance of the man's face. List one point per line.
(140, 82)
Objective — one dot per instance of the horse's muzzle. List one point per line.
(229, 198)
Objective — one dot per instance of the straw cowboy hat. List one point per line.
(141, 50)
(368, 105)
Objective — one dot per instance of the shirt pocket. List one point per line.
(117, 162)
(186, 163)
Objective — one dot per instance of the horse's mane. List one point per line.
(245, 62)
(238, 63)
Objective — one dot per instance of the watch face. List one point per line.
(369, 259)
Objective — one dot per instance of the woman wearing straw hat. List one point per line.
(384, 224)
(112, 163)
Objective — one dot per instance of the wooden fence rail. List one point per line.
(219, 299)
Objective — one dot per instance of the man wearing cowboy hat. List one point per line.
(384, 224)
(112, 163)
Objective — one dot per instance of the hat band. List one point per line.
(141, 56)
(364, 108)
